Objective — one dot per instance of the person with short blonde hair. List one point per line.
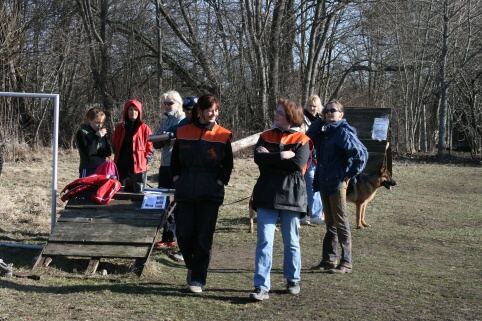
(171, 104)
(312, 112)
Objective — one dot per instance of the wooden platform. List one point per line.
(120, 229)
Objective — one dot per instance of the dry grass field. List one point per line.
(420, 260)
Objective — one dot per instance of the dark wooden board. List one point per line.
(96, 215)
(96, 250)
(103, 233)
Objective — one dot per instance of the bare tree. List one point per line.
(95, 15)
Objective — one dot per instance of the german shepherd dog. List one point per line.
(364, 190)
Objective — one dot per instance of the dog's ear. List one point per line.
(382, 168)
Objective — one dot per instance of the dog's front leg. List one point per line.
(359, 216)
(362, 214)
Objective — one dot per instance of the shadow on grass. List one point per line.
(31, 237)
(20, 257)
(152, 288)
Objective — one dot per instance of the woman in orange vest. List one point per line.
(282, 154)
(201, 164)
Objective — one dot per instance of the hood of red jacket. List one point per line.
(126, 107)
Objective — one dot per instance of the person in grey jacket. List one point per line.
(341, 156)
(173, 114)
(92, 142)
(172, 103)
(280, 191)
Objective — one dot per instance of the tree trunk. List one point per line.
(443, 84)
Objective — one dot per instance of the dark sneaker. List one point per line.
(340, 269)
(323, 266)
(196, 287)
(188, 277)
(258, 295)
(293, 288)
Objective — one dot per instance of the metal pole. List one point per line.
(424, 129)
(54, 163)
(55, 97)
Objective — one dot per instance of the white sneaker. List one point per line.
(304, 221)
(196, 287)
(317, 220)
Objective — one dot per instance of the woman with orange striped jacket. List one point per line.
(201, 164)
(281, 154)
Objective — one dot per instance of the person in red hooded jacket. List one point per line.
(131, 148)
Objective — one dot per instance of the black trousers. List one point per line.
(126, 173)
(195, 226)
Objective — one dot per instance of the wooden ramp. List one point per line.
(120, 229)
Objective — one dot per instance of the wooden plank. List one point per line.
(113, 206)
(121, 195)
(40, 260)
(96, 250)
(93, 265)
(103, 233)
(111, 220)
(121, 212)
(120, 229)
(136, 215)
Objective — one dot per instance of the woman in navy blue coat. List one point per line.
(341, 156)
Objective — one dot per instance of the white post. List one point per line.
(55, 97)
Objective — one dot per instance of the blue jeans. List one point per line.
(315, 206)
(337, 229)
(264, 247)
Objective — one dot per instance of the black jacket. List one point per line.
(201, 155)
(281, 184)
(92, 149)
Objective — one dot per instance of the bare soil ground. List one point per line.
(420, 260)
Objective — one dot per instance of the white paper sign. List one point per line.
(380, 129)
(154, 201)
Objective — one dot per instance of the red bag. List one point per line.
(108, 168)
(106, 188)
